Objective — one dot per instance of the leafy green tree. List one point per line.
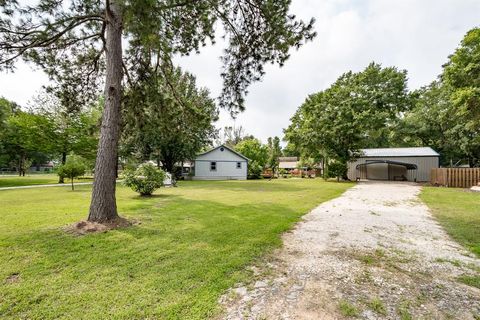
(274, 152)
(26, 134)
(75, 127)
(145, 179)
(254, 150)
(359, 110)
(337, 170)
(82, 32)
(445, 114)
(255, 170)
(73, 168)
(257, 153)
(431, 122)
(291, 150)
(461, 77)
(168, 126)
(7, 108)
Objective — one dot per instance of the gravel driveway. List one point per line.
(373, 253)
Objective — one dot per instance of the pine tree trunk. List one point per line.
(103, 206)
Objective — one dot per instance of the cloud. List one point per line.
(414, 35)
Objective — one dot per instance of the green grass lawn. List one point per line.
(15, 181)
(193, 243)
(458, 211)
(34, 179)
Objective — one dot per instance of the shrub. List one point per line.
(145, 179)
(74, 167)
(337, 170)
(255, 170)
(283, 172)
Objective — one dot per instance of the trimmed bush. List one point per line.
(73, 168)
(145, 179)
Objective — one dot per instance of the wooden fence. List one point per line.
(455, 177)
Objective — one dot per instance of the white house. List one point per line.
(220, 163)
(412, 164)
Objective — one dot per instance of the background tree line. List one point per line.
(45, 132)
(373, 108)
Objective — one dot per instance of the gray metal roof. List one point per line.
(226, 147)
(409, 166)
(400, 152)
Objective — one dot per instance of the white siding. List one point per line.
(226, 168)
(424, 164)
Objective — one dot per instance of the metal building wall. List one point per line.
(424, 164)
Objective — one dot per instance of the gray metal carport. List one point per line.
(363, 167)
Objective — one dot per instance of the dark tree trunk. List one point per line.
(103, 206)
(168, 166)
(64, 160)
(21, 165)
(116, 168)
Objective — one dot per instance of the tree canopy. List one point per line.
(274, 152)
(358, 110)
(374, 109)
(54, 35)
(168, 126)
(257, 153)
(446, 114)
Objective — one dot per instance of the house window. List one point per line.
(239, 165)
(213, 166)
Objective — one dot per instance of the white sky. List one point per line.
(416, 35)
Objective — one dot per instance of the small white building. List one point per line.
(221, 163)
(412, 164)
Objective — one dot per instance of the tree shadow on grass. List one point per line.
(153, 196)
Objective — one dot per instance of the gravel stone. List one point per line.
(341, 252)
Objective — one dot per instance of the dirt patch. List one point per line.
(87, 227)
(13, 278)
(373, 253)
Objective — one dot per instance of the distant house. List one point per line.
(293, 166)
(42, 167)
(412, 164)
(220, 163)
(288, 163)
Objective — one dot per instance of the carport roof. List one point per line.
(409, 166)
(399, 152)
